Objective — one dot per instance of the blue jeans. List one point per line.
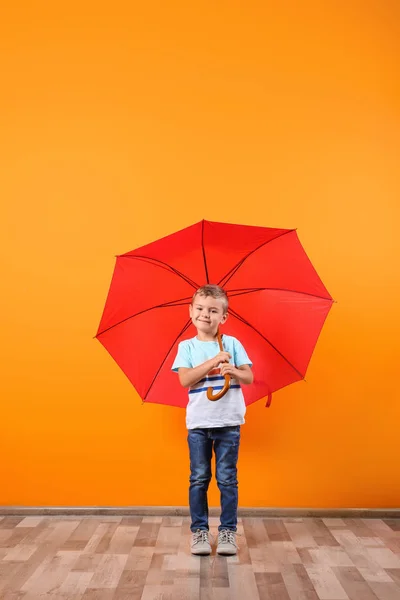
(225, 441)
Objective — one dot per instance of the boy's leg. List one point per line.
(200, 449)
(226, 448)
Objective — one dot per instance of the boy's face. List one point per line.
(207, 313)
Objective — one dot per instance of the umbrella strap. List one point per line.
(269, 399)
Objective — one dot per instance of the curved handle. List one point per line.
(222, 392)
(210, 391)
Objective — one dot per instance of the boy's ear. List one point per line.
(224, 318)
(190, 310)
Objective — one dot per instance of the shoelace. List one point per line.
(227, 537)
(200, 536)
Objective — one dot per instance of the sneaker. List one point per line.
(200, 543)
(227, 542)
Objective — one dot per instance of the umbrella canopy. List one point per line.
(277, 305)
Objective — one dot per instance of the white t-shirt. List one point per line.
(201, 412)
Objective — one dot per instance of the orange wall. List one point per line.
(121, 125)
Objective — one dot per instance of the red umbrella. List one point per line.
(277, 305)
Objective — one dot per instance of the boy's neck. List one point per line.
(203, 337)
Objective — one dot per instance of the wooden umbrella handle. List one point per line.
(227, 384)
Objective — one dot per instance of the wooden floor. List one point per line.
(148, 558)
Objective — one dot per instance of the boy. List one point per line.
(213, 424)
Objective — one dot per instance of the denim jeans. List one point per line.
(225, 441)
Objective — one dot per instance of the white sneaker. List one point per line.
(200, 543)
(227, 542)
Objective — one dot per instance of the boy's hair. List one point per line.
(215, 291)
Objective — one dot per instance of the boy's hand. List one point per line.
(242, 374)
(228, 369)
(222, 357)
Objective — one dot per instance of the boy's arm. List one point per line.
(189, 377)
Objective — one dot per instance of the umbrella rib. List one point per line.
(166, 356)
(240, 318)
(178, 302)
(204, 252)
(162, 265)
(243, 291)
(239, 264)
